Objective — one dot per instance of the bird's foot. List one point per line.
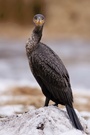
(55, 104)
(46, 102)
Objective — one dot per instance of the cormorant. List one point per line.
(50, 72)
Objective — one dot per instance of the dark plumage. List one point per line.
(50, 72)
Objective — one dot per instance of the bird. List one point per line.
(50, 72)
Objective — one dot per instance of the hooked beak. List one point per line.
(39, 22)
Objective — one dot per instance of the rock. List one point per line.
(43, 121)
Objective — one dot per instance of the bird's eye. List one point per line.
(35, 17)
(42, 18)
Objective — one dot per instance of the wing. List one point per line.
(49, 68)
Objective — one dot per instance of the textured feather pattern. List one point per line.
(48, 67)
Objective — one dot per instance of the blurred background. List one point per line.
(66, 31)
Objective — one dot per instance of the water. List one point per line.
(14, 68)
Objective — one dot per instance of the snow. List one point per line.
(85, 114)
(9, 110)
(43, 121)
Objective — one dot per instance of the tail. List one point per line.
(73, 117)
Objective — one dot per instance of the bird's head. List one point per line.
(39, 20)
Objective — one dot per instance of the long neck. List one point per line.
(37, 34)
(35, 38)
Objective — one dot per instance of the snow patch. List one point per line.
(44, 121)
